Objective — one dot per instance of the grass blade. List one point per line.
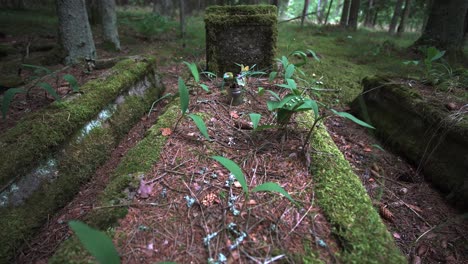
(194, 70)
(352, 118)
(234, 169)
(200, 125)
(184, 96)
(96, 242)
(272, 187)
(49, 89)
(72, 81)
(205, 87)
(8, 97)
(255, 118)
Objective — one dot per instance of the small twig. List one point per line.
(127, 205)
(300, 221)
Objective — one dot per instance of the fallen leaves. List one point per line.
(166, 131)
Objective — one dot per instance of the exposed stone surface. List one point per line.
(423, 130)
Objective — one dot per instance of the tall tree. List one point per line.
(404, 17)
(353, 14)
(445, 28)
(369, 18)
(109, 23)
(395, 17)
(304, 12)
(345, 13)
(74, 30)
(328, 12)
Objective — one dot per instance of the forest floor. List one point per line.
(425, 227)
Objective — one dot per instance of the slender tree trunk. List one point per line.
(109, 23)
(404, 17)
(345, 13)
(182, 21)
(427, 11)
(395, 17)
(353, 15)
(328, 11)
(304, 12)
(369, 14)
(445, 28)
(74, 30)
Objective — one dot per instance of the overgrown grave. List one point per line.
(428, 131)
(50, 153)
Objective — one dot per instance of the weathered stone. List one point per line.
(240, 34)
(424, 131)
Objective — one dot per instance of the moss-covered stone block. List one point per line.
(244, 34)
(423, 130)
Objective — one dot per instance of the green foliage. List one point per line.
(150, 25)
(97, 243)
(184, 96)
(72, 81)
(49, 89)
(239, 175)
(352, 118)
(255, 118)
(196, 75)
(8, 97)
(200, 125)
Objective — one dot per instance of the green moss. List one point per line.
(36, 136)
(138, 160)
(347, 206)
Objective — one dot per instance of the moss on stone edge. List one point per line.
(340, 194)
(138, 160)
(76, 165)
(41, 133)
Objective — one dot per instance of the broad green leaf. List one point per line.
(194, 70)
(378, 147)
(300, 54)
(275, 95)
(209, 74)
(72, 81)
(310, 104)
(49, 89)
(272, 187)
(261, 91)
(8, 97)
(272, 76)
(200, 125)
(234, 169)
(37, 69)
(96, 242)
(205, 87)
(289, 72)
(313, 54)
(291, 84)
(352, 118)
(184, 96)
(255, 118)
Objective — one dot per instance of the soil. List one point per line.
(425, 227)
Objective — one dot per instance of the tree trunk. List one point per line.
(404, 18)
(395, 17)
(92, 8)
(304, 12)
(444, 28)
(369, 14)
(182, 21)
(109, 23)
(345, 13)
(74, 30)
(353, 15)
(328, 11)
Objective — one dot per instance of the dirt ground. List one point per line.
(425, 227)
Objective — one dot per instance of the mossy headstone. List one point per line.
(243, 34)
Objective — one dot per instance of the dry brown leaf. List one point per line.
(252, 202)
(237, 184)
(234, 114)
(166, 131)
(414, 207)
(367, 149)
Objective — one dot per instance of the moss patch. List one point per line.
(357, 225)
(138, 160)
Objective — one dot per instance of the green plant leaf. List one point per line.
(194, 70)
(272, 187)
(313, 54)
(255, 118)
(8, 97)
(49, 89)
(272, 76)
(96, 242)
(261, 91)
(37, 69)
(184, 96)
(275, 95)
(289, 71)
(411, 62)
(72, 81)
(352, 118)
(205, 87)
(291, 84)
(378, 147)
(234, 169)
(209, 74)
(310, 104)
(200, 125)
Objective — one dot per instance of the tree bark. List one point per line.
(404, 18)
(369, 14)
(74, 30)
(345, 13)
(353, 15)
(328, 12)
(182, 21)
(445, 28)
(109, 23)
(304, 12)
(395, 17)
